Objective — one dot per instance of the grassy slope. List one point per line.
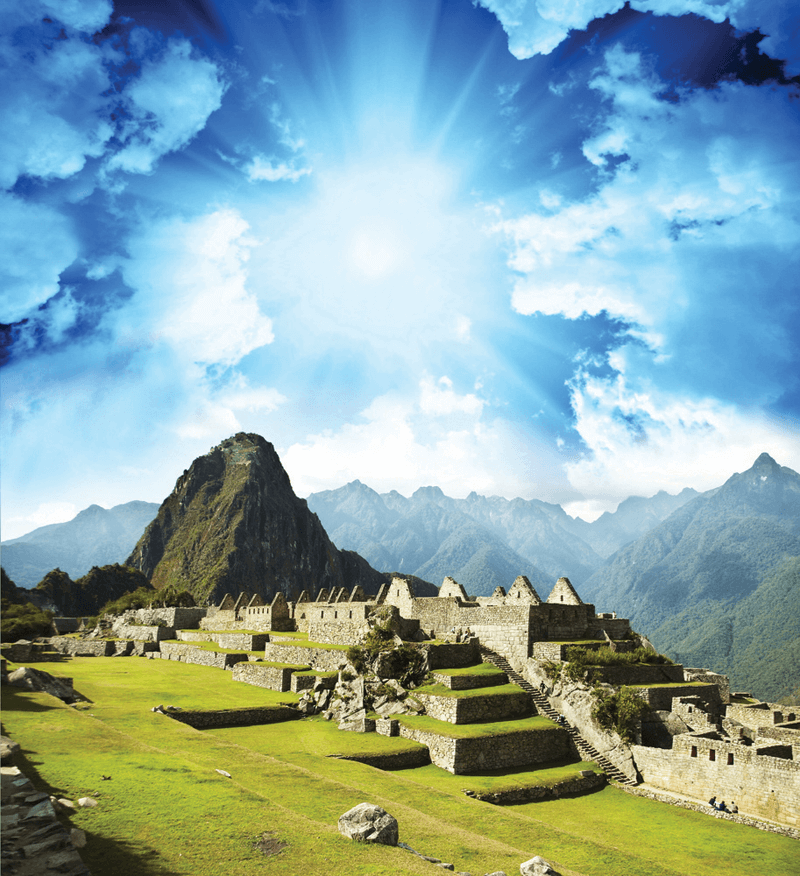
(170, 813)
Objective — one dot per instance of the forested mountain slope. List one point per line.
(717, 583)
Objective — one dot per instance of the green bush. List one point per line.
(619, 710)
(24, 621)
(580, 659)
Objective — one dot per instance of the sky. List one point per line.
(516, 247)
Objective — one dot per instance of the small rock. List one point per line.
(537, 866)
(77, 837)
(497, 873)
(64, 803)
(87, 802)
(223, 773)
(367, 823)
(8, 748)
(42, 810)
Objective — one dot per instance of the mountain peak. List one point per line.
(234, 523)
(432, 493)
(765, 461)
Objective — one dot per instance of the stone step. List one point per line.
(543, 707)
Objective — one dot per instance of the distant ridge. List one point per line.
(94, 537)
(481, 541)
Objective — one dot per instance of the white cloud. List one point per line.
(690, 240)
(191, 290)
(715, 173)
(87, 15)
(36, 244)
(431, 436)
(642, 440)
(170, 102)
(273, 170)
(538, 26)
(47, 133)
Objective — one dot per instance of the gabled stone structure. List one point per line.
(452, 589)
(522, 592)
(564, 594)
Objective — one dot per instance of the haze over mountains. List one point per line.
(482, 541)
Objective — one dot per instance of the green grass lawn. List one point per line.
(167, 812)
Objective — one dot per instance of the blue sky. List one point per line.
(520, 247)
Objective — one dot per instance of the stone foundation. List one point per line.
(317, 658)
(263, 675)
(521, 748)
(476, 709)
(203, 720)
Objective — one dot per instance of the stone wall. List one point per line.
(759, 714)
(143, 633)
(241, 641)
(477, 754)
(475, 709)
(337, 632)
(177, 618)
(452, 656)
(574, 787)
(203, 720)
(307, 681)
(397, 760)
(709, 677)
(188, 653)
(660, 698)
(640, 673)
(82, 647)
(317, 658)
(470, 682)
(763, 786)
(263, 675)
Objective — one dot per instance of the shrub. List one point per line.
(619, 710)
(25, 621)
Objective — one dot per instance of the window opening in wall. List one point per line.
(694, 751)
(712, 755)
(321, 615)
(562, 598)
(335, 615)
(351, 614)
(730, 758)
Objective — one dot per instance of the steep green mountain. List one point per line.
(716, 584)
(233, 523)
(95, 537)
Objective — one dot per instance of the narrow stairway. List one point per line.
(543, 707)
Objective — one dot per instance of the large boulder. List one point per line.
(537, 866)
(37, 680)
(367, 823)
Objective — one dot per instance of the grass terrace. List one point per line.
(166, 811)
(488, 669)
(473, 731)
(440, 690)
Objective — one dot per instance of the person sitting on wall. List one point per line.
(722, 807)
(734, 808)
(713, 802)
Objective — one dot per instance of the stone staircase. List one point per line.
(585, 749)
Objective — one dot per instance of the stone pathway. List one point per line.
(586, 750)
(34, 842)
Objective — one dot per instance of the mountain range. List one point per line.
(482, 541)
(712, 578)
